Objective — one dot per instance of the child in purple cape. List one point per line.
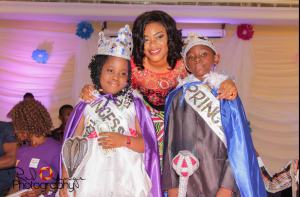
(110, 144)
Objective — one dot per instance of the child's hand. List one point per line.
(64, 192)
(223, 192)
(228, 90)
(173, 192)
(112, 140)
(86, 94)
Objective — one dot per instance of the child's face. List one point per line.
(200, 60)
(114, 75)
(65, 115)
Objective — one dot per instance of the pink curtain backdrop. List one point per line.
(50, 83)
(265, 68)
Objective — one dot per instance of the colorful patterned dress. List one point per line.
(155, 88)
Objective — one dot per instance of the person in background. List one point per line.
(37, 164)
(28, 96)
(287, 177)
(8, 154)
(64, 113)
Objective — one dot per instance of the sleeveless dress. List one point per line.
(155, 88)
(118, 172)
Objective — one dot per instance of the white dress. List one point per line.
(97, 172)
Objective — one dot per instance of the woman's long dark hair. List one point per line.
(175, 43)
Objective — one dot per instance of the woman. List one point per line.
(37, 163)
(156, 65)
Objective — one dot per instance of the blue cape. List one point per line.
(241, 152)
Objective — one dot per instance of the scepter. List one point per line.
(185, 164)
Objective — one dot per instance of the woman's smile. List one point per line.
(155, 52)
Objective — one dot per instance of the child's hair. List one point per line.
(96, 66)
(32, 118)
(64, 107)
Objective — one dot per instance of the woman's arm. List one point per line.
(16, 187)
(86, 94)
(228, 90)
(36, 192)
(10, 154)
(116, 140)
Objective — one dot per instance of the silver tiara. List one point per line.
(194, 39)
(120, 47)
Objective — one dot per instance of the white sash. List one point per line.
(111, 115)
(207, 106)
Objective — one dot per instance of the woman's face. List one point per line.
(156, 42)
(20, 136)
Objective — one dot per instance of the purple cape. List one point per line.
(152, 165)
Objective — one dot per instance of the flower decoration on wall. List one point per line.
(40, 55)
(84, 30)
(245, 31)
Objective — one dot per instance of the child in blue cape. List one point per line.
(214, 131)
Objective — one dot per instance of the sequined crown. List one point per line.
(120, 47)
(194, 39)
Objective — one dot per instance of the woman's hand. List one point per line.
(86, 94)
(173, 192)
(111, 140)
(223, 192)
(228, 90)
(32, 193)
